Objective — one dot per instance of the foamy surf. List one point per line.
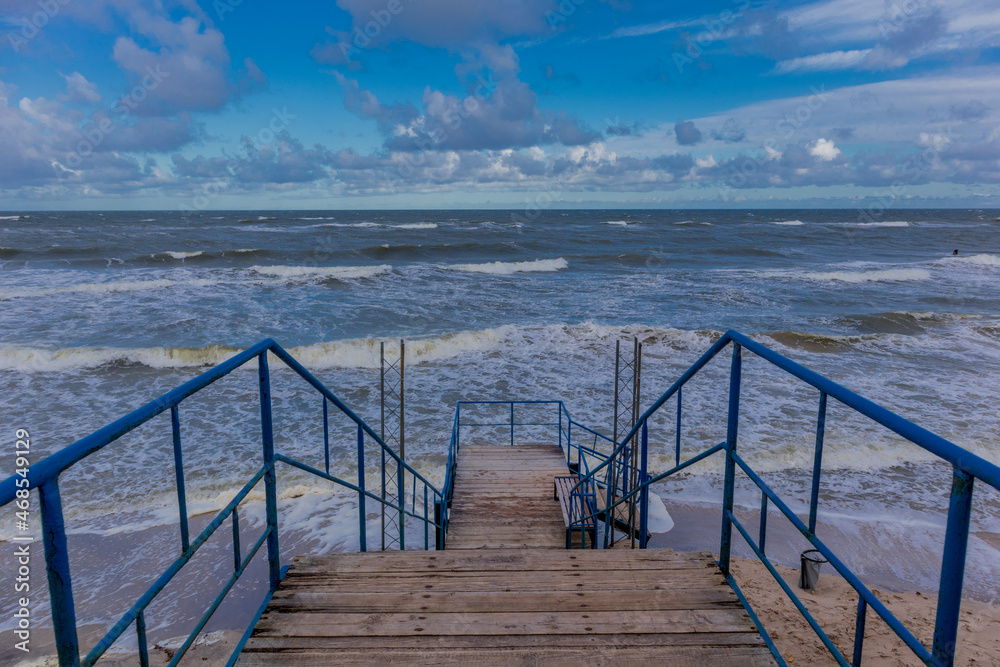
(886, 223)
(306, 273)
(794, 223)
(886, 275)
(178, 254)
(417, 225)
(102, 288)
(510, 268)
(981, 260)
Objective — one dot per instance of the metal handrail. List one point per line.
(966, 468)
(44, 476)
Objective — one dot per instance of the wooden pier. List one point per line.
(506, 591)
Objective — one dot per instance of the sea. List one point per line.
(101, 312)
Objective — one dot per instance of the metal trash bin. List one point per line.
(809, 570)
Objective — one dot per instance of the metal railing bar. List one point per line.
(817, 461)
(855, 583)
(292, 363)
(218, 600)
(116, 631)
(508, 424)
(175, 427)
(757, 622)
(353, 487)
(950, 452)
(140, 631)
(236, 539)
(859, 632)
(238, 649)
(53, 465)
(834, 651)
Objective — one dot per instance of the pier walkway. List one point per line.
(506, 591)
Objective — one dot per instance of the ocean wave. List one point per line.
(885, 223)
(416, 225)
(693, 222)
(296, 273)
(177, 254)
(787, 222)
(884, 275)
(619, 223)
(904, 322)
(32, 359)
(363, 225)
(102, 288)
(8, 252)
(509, 268)
(11, 217)
(982, 259)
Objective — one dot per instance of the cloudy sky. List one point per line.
(173, 104)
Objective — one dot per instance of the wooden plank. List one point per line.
(506, 591)
(467, 601)
(569, 657)
(510, 641)
(347, 624)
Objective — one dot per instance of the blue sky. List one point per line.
(218, 104)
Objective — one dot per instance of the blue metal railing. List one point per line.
(967, 467)
(564, 423)
(44, 476)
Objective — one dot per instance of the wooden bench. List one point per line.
(574, 506)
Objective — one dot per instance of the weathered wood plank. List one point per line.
(506, 592)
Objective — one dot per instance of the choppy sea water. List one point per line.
(101, 312)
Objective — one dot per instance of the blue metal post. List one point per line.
(735, 374)
(140, 631)
(402, 502)
(956, 542)
(560, 432)
(677, 445)
(817, 462)
(270, 479)
(57, 568)
(363, 534)
(326, 434)
(237, 552)
(426, 524)
(512, 423)
(175, 422)
(644, 492)
(859, 632)
(761, 540)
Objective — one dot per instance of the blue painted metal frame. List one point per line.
(967, 468)
(44, 476)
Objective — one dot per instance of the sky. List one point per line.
(373, 104)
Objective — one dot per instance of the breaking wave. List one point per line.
(509, 268)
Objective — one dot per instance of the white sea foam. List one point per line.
(982, 260)
(180, 254)
(102, 288)
(363, 225)
(693, 222)
(885, 223)
(788, 222)
(509, 268)
(417, 225)
(618, 223)
(886, 275)
(246, 250)
(321, 272)
(10, 217)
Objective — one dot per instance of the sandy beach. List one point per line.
(834, 604)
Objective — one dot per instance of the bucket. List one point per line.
(809, 572)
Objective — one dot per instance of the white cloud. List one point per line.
(823, 62)
(823, 149)
(78, 89)
(933, 140)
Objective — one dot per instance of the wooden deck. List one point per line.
(506, 592)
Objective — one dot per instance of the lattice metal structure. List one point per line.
(393, 434)
(628, 383)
